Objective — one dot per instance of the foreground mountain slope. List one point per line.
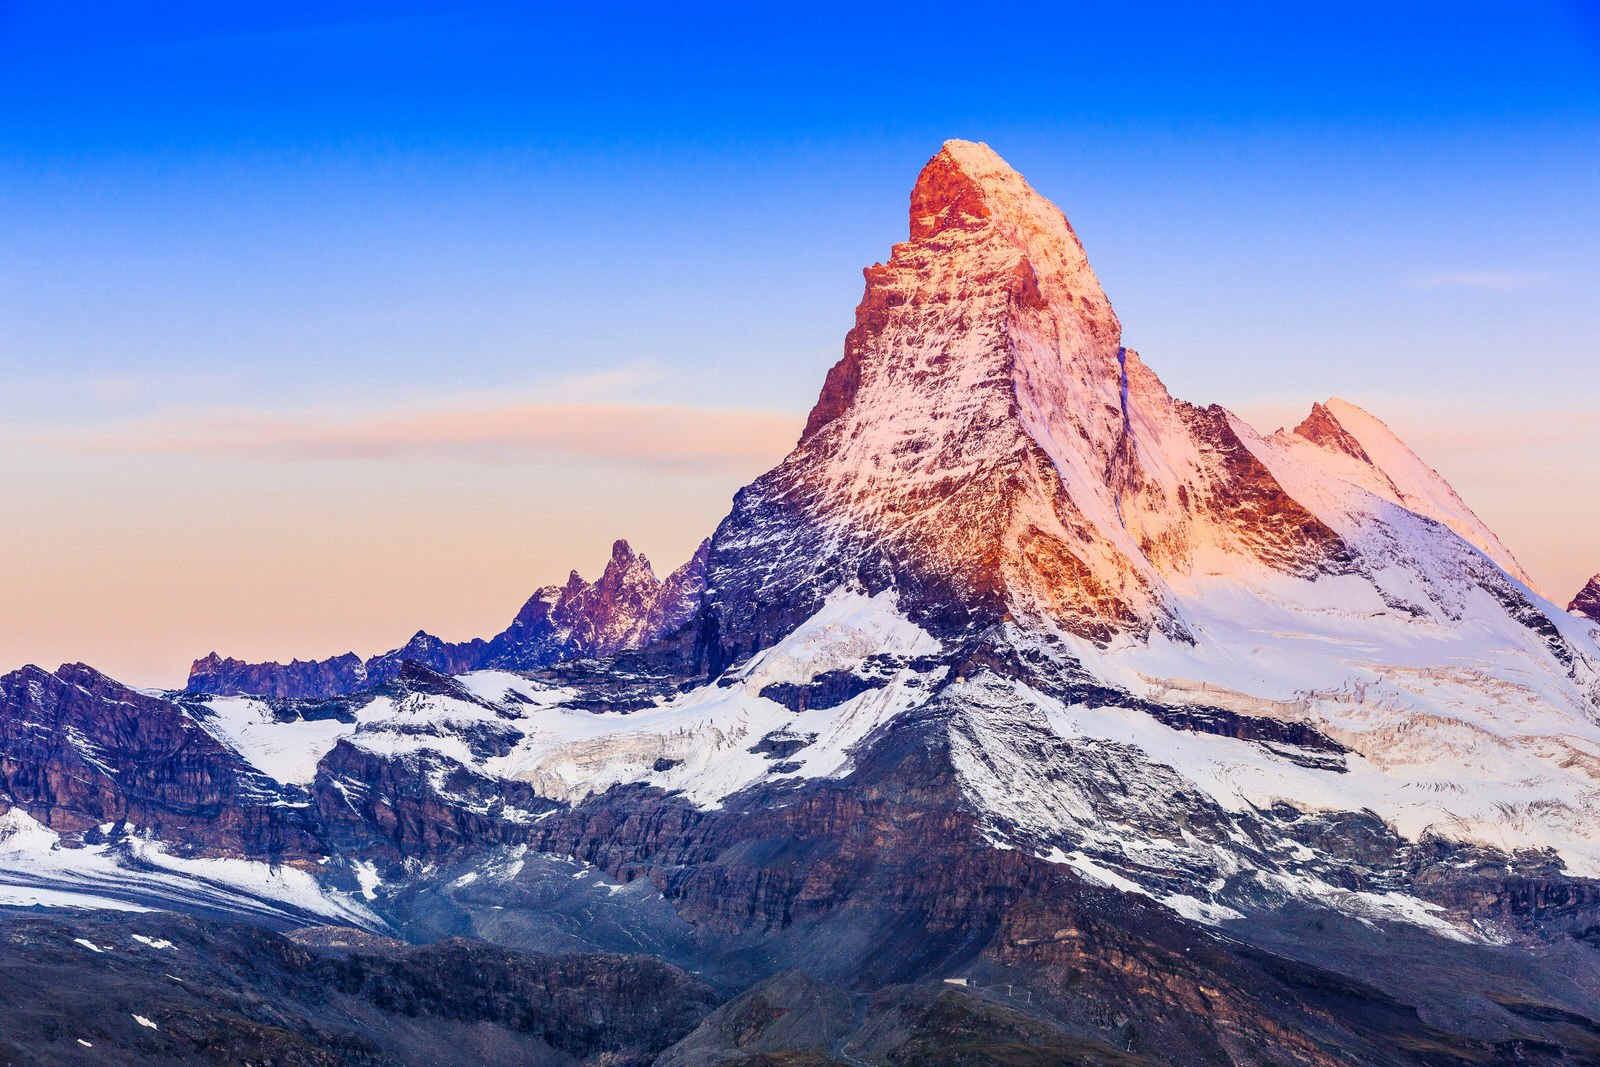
(1017, 670)
(143, 989)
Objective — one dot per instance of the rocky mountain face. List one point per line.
(626, 607)
(1587, 602)
(1021, 707)
(88, 756)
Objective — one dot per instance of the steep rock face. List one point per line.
(627, 607)
(419, 807)
(988, 447)
(1587, 602)
(78, 751)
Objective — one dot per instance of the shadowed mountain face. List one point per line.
(1167, 740)
(1587, 602)
(81, 751)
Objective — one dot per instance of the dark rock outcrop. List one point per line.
(226, 676)
(1587, 602)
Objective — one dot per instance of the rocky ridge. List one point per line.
(1587, 602)
(626, 607)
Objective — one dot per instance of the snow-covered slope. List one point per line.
(708, 743)
(129, 868)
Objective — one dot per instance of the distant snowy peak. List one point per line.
(1323, 430)
(1587, 602)
(1360, 449)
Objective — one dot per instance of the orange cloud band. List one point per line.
(659, 436)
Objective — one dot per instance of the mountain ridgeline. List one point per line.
(1022, 714)
(626, 607)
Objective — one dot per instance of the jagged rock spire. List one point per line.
(1587, 602)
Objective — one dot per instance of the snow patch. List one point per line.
(286, 751)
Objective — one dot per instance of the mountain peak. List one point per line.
(968, 189)
(954, 189)
(985, 252)
(988, 437)
(1324, 429)
(1587, 602)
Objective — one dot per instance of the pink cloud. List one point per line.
(661, 436)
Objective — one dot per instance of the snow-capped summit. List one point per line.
(989, 447)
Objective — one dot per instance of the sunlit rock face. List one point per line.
(989, 447)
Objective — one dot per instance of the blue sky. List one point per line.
(368, 211)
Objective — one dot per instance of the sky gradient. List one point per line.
(322, 323)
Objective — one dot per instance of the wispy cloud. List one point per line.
(663, 437)
(1490, 281)
(609, 383)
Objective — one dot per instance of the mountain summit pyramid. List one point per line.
(989, 447)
